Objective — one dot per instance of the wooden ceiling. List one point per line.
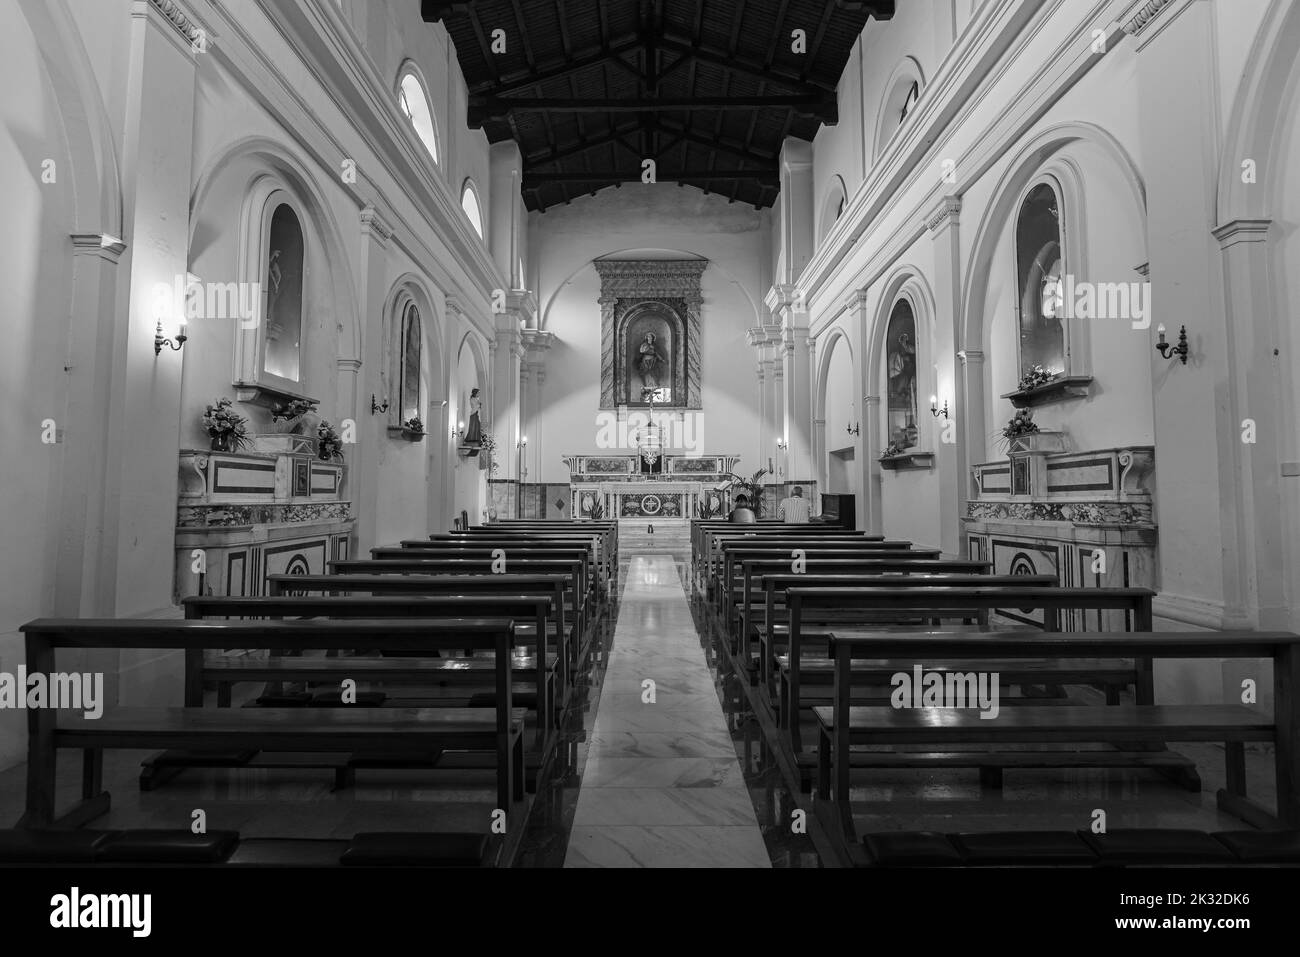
(707, 89)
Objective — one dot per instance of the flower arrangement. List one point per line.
(328, 444)
(227, 429)
(413, 424)
(488, 446)
(893, 449)
(751, 488)
(1034, 376)
(1022, 423)
(293, 409)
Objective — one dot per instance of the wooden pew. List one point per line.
(436, 545)
(536, 607)
(606, 529)
(553, 586)
(703, 532)
(735, 552)
(764, 580)
(814, 604)
(573, 568)
(603, 543)
(498, 730)
(841, 725)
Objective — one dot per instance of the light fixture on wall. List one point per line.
(1170, 352)
(458, 430)
(159, 341)
(783, 445)
(377, 408)
(853, 429)
(934, 407)
(523, 440)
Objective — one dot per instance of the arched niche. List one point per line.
(413, 360)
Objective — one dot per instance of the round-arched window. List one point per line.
(469, 203)
(415, 106)
(909, 101)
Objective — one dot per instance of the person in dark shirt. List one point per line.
(742, 514)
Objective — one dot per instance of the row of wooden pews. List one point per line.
(459, 651)
(825, 620)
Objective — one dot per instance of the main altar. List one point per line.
(660, 484)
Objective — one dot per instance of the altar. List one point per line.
(665, 486)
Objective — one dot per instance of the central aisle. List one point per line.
(662, 785)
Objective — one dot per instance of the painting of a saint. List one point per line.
(901, 376)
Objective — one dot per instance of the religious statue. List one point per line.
(902, 392)
(650, 361)
(273, 325)
(474, 432)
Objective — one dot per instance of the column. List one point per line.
(362, 467)
(1205, 573)
(87, 545)
(952, 458)
(1262, 544)
(157, 153)
(868, 442)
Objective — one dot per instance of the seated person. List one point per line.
(742, 514)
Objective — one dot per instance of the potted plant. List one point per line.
(413, 429)
(290, 415)
(227, 429)
(329, 447)
(751, 488)
(487, 446)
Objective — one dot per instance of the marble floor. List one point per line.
(662, 784)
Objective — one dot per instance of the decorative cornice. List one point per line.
(181, 21)
(537, 342)
(1144, 15)
(1243, 231)
(759, 336)
(374, 224)
(677, 278)
(948, 212)
(98, 244)
(349, 365)
(970, 357)
(856, 299)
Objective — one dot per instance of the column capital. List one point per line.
(970, 357)
(759, 336)
(946, 214)
(855, 301)
(348, 365)
(374, 225)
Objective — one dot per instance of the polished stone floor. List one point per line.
(662, 786)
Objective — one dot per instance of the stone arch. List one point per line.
(906, 72)
(1254, 132)
(407, 289)
(281, 161)
(97, 189)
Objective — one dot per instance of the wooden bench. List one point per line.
(603, 561)
(578, 596)
(734, 553)
(498, 730)
(702, 534)
(931, 601)
(224, 672)
(762, 581)
(606, 530)
(841, 725)
(716, 540)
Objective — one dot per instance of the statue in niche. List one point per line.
(650, 362)
(274, 273)
(474, 431)
(649, 358)
(901, 404)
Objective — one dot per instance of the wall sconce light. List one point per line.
(782, 444)
(523, 440)
(934, 407)
(458, 430)
(853, 429)
(1169, 352)
(377, 408)
(159, 341)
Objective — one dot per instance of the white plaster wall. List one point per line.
(659, 216)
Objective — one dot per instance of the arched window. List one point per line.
(469, 203)
(284, 286)
(409, 371)
(900, 354)
(415, 106)
(1039, 266)
(913, 94)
